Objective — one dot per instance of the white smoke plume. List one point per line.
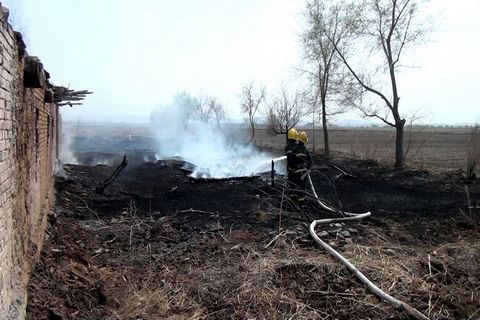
(206, 145)
(66, 155)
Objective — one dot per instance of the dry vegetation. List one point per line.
(244, 275)
(139, 252)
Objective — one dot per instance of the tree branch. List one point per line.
(366, 87)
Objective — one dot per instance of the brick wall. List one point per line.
(27, 158)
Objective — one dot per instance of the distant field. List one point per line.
(442, 148)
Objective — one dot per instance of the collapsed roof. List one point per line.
(35, 76)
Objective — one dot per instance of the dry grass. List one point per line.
(149, 299)
(159, 304)
(287, 281)
(435, 278)
(280, 278)
(240, 274)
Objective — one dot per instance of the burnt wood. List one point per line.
(101, 188)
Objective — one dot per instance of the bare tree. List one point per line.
(203, 111)
(327, 26)
(187, 105)
(250, 104)
(284, 113)
(208, 109)
(217, 111)
(391, 26)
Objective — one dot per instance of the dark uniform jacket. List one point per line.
(290, 153)
(303, 160)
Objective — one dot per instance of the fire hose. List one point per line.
(369, 284)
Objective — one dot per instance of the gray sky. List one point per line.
(138, 54)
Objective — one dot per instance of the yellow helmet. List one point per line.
(302, 137)
(292, 134)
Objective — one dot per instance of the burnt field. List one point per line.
(160, 245)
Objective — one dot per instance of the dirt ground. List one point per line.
(157, 245)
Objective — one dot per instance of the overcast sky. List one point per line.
(138, 54)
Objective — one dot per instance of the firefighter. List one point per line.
(303, 164)
(291, 159)
(290, 149)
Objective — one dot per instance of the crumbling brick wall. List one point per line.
(27, 162)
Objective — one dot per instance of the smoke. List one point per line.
(66, 155)
(208, 146)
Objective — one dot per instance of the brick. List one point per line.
(35, 161)
(7, 52)
(3, 176)
(5, 75)
(6, 40)
(4, 94)
(10, 32)
(5, 124)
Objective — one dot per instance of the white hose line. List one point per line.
(370, 285)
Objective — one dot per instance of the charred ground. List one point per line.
(158, 245)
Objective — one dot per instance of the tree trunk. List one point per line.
(286, 134)
(313, 132)
(399, 144)
(325, 130)
(252, 139)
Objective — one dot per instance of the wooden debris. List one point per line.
(342, 171)
(81, 275)
(191, 210)
(100, 189)
(65, 96)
